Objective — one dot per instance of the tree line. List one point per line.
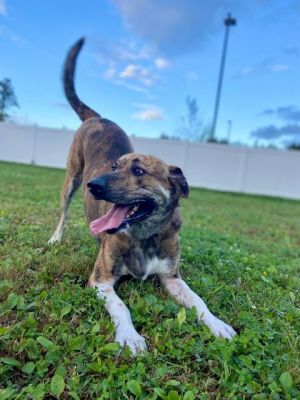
(8, 98)
(191, 126)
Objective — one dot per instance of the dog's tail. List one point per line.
(82, 110)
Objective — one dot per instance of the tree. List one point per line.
(294, 146)
(7, 98)
(191, 124)
(166, 136)
(217, 141)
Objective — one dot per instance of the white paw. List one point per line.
(129, 337)
(55, 238)
(219, 328)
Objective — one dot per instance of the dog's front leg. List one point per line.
(185, 296)
(126, 335)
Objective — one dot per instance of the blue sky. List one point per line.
(143, 58)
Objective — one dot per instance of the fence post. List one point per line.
(34, 137)
(244, 169)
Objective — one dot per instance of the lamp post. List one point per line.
(228, 22)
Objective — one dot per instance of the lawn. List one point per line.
(240, 253)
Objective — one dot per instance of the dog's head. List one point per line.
(144, 191)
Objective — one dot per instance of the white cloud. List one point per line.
(177, 26)
(148, 112)
(11, 36)
(111, 52)
(245, 71)
(110, 73)
(138, 73)
(130, 65)
(2, 8)
(161, 63)
(134, 88)
(266, 65)
(192, 76)
(130, 71)
(130, 51)
(279, 67)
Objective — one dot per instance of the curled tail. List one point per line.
(82, 110)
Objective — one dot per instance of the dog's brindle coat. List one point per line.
(141, 248)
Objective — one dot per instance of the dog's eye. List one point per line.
(114, 166)
(137, 171)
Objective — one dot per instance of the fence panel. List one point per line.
(212, 166)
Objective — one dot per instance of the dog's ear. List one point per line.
(176, 177)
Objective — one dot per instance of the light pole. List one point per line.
(228, 22)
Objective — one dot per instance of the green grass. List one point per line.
(240, 253)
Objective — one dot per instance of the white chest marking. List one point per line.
(156, 265)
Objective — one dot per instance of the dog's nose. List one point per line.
(97, 185)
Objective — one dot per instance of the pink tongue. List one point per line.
(112, 219)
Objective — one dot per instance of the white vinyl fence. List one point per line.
(212, 166)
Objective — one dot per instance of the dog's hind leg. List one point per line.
(71, 184)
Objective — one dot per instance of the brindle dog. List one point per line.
(132, 204)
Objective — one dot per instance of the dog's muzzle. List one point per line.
(126, 210)
(98, 187)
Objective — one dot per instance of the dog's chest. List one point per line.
(142, 267)
(156, 265)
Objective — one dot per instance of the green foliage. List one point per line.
(57, 385)
(7, 98)
(134, 387)
(191, 125)
(240, 253)
(294, 146)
